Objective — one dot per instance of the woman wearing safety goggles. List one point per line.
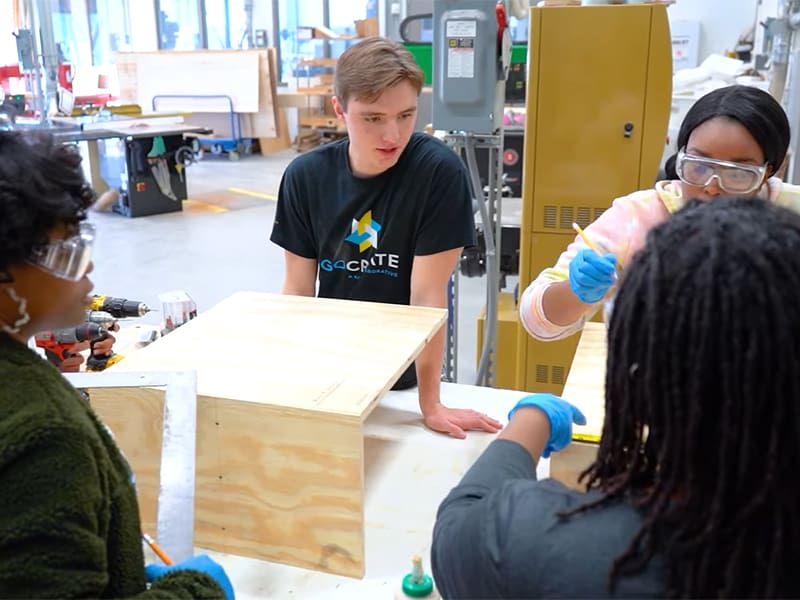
(68, 258)
(70, 524)
(733, 141)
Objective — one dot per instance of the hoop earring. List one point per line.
(24, 317)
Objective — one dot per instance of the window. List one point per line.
(109, 29)
(71, 32)
(227, 24)
(87, 32)
(519, 30)
(343, 17)
(11, 21)
(296, 46)
(294, 14)
(179, 25)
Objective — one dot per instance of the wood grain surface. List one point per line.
(284, 386)
(408, 472)
(296, 353)
(585, 388)
(585, 385)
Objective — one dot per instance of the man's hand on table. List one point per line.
(456, 421)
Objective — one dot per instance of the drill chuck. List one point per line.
(103, 319)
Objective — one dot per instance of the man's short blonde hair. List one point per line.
(367, 69)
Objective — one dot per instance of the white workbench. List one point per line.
(409, 471)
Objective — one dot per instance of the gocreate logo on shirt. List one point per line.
(364, 234)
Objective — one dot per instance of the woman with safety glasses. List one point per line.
(732, 141)
(69, 519)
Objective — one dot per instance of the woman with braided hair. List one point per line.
(694, 491)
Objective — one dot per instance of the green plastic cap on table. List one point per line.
(417, 584)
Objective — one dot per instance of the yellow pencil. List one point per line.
(586, 239)
(592, 245)
(157, 549)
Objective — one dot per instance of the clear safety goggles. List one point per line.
(67, 259)
(732, 177)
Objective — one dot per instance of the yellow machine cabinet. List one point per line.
(505, 367)
(598, 104)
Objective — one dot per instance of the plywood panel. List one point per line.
(268, 485)
(567, 465)
(280, 487)
(230, 72)
(135, 416)
(585, 388)
(281, 140)
(261, 124)
(408, 473)
(138, 82)
(298, 353)
(127, 73)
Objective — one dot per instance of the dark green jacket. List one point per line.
(69, 519)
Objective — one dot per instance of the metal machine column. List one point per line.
(471, 56)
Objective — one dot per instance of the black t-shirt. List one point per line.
(364, 232)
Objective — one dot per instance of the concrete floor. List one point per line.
(219, 244)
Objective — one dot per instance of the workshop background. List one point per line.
(251, 80)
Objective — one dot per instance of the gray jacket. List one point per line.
(498, 534)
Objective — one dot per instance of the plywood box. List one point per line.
(284, 384)
(585, 388)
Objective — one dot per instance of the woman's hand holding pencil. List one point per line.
(157, 549)
(594, 247)
(202, 563)
(591, 273)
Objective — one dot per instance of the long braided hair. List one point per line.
(702, 427)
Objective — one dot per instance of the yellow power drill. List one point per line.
(100, 362)
(119, 308)
(103, 309)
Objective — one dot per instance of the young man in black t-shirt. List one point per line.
(382, 215)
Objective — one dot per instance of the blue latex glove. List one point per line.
(591, 275)
(561, 415)
(201, 562)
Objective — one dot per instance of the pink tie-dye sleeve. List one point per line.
(620, 230)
